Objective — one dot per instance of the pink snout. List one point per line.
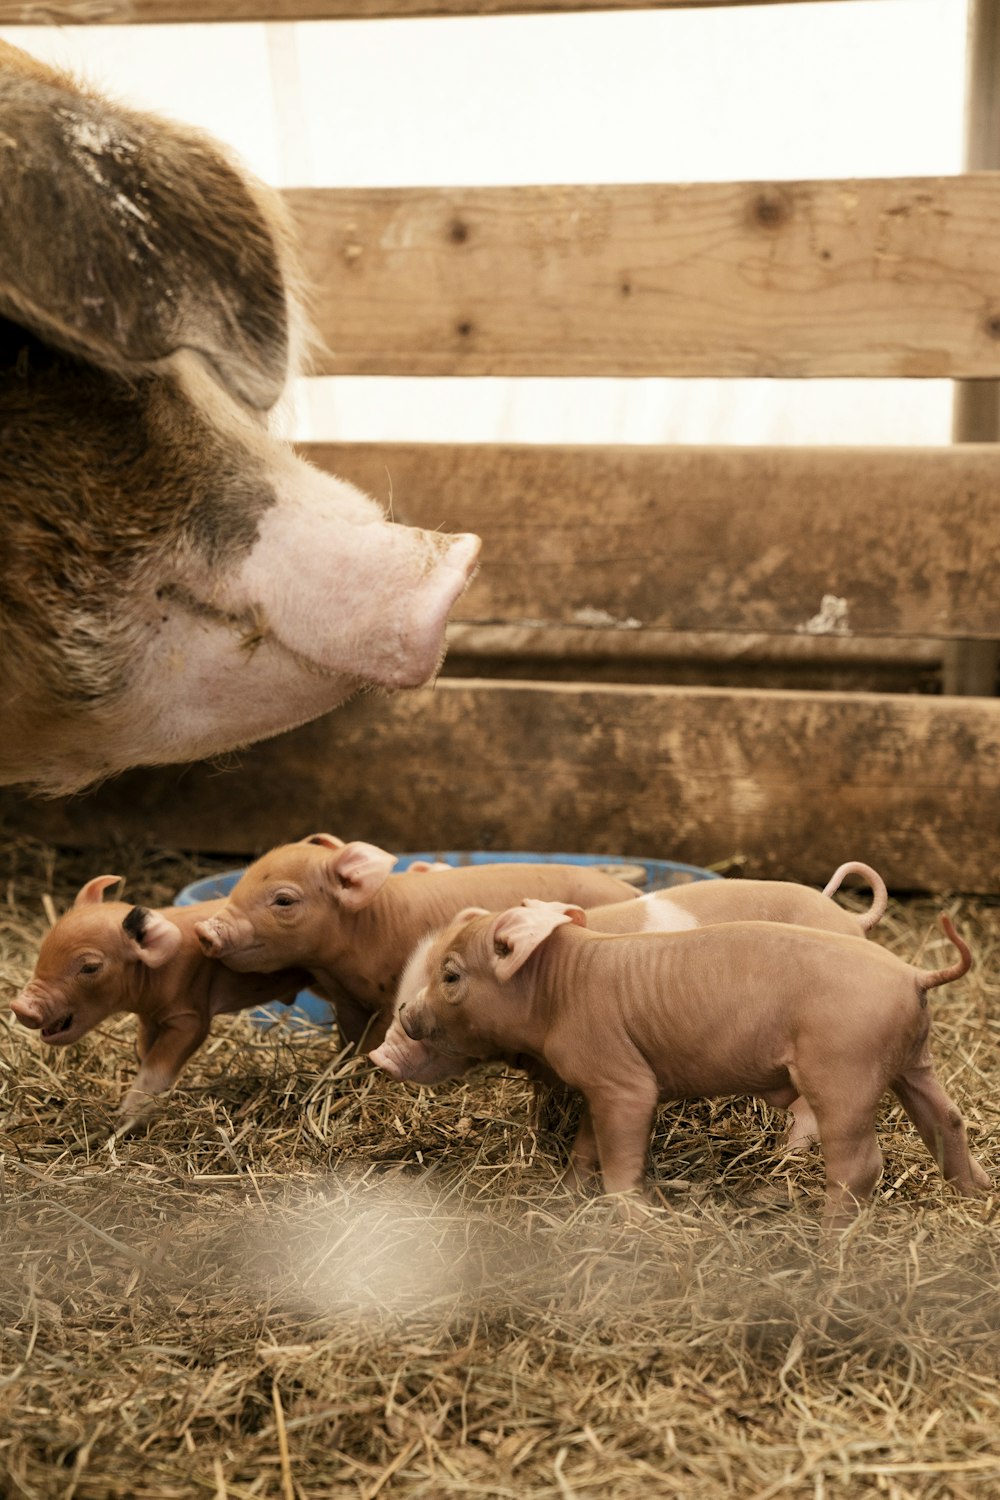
(40, 1011)
(405, 1058)
(28, 1010)
(227, 936)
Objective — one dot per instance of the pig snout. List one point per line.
(226, 936)
(28, 1011)
(345, 590)
(40, 1011)
(405, 1059)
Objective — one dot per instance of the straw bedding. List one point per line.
(306, 1281)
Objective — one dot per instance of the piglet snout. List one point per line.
(27, 1010)
(402, 1057)
(209, 938)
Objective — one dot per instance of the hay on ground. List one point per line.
(305, 1281)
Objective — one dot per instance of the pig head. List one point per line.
(174, 580)
(101, 958)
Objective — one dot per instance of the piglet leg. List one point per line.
(584, 1160)
(175, 1042)
(146, 1034)
(852, 1158)
(622, 1119)
(941, 1128)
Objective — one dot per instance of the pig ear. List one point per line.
(156, 206)
(358, 872)
(92, 894)
(467, 914)
(518, 932)
(326, 840)
(154, 938)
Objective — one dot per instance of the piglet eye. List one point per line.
(451, 976)
(284, 898)
(89, 968)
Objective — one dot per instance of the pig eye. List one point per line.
(90, 967)
(451, 976)
(284, 899)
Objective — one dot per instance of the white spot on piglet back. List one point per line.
(830, 620)
(663, 916)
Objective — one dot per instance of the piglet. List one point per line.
(336, 910)
(740, 1008)
(703, 903)
(104, 957)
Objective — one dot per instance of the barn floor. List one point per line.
(307, 1281)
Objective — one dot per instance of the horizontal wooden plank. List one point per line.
(895, 277)
(689, 658)
(119, 12)
(865, 541)
(796, 782)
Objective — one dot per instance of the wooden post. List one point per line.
(971, 666)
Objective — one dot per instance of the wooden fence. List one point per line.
(617, 554)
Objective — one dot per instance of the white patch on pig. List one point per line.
(663, 916)
(414, 975)
(831, 619)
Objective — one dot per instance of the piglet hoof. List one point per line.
(129, 1122)
(577, 1179)
(981, 1180)
(634, 1207)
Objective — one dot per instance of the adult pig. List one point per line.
(174, 580)
(101, 958)
(757, 1008)
(336, 910)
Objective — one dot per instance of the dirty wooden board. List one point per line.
(838, 541)
(896, 277)
(797, 782)
(110, 12)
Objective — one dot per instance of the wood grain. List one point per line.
(796, 782)
(896, 277)
(638, 540)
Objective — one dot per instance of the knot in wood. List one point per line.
(770, 209)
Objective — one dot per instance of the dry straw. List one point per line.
(304, 1281)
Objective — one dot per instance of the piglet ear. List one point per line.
(325, 840)
(154, 938)
(467, 915)
(518, 932)
(357, 873)
(92, 894)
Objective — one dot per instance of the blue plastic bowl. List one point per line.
(309, 1008)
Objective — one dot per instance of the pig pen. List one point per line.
(305, 1280)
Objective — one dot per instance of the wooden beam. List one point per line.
(122, 12)
(896, 277)
(972, 666)
(810, 541)
(796, 782)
